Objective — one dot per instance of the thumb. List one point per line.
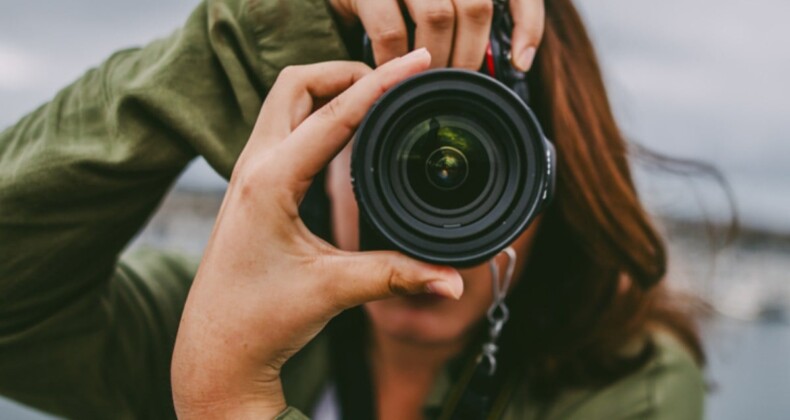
(368, 276)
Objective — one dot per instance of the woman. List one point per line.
(86, 338)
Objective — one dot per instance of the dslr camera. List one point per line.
(451, 166)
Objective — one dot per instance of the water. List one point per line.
(748, 370)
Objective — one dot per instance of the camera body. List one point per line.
(451, 166)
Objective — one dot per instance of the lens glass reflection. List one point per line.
(445, 161)
(446, 168)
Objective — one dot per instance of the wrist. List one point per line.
(232, 410)
(210, 404)
(207, 385)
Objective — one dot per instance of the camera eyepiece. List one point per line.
(449, 166)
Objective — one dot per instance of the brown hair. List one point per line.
(574, 317)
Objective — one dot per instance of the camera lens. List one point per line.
(444, 162)
(449, 167)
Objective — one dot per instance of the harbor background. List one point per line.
(695, 79)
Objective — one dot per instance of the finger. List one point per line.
(472, 29)
(529, 20)
(383, 22)
(377, 275)
(293, 96)
(324, 133)
(435, 24)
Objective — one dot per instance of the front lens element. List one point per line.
(446, 168)
(446, 162)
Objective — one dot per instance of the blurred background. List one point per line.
(694, 79)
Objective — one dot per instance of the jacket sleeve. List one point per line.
(82, 335)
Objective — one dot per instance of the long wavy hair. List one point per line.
(594, 280)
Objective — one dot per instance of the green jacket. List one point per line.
(87, 333)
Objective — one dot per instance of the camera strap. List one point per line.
(486, 384)
(498, 313)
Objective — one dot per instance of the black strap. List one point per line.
(350, 365)
(477, 395)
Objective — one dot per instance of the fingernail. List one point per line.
(443, 288)
(523, 61)
(417, 54)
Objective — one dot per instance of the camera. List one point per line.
(450, 166)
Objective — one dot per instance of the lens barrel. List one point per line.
(449, 166)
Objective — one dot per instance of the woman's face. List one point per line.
(421, 319)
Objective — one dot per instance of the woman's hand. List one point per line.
(266, 285)
(455, 32)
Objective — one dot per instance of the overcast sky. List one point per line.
(704, 79)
